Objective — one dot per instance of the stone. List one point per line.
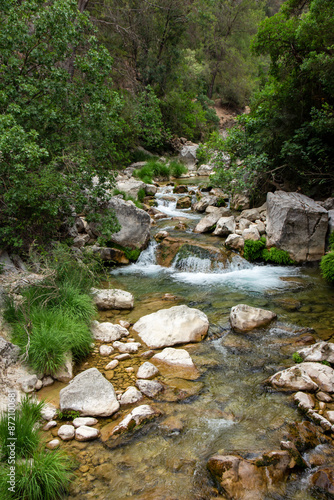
(330, 416)
(108, 332)
(125, 324)
(65, 372)
(251, 233)
(240, 202)
(107, 254)
(322, 396)
(112, 364)
(167, 327)
(66, 432)
(135, 224)
(304, 377)
(296, 224)
(87, 421)
(48, 380)
(147, 371)
(323, 481)
(106, 350)
(112, 299)
(180, 189)
(149, 387)
(39, 385)
(50, 425)
(321, 351)
(9, 353)
(184, 202)
(188, 155)
(235, 241)
(130, 396)
(52, 445)
(122, 357)
(207, 223)
(131, 187)
(130, 347)
(28, 383)
(251, 214)
(129, 369)
(90, 394)
(304, 401)
(138, 416)
(205, 170)
(244, 318)
(225, 226)
(49, 412)
(85, 433)
(151, 189)
(175, 357)
(260, 227)
(204, 202)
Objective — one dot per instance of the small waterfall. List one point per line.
(168, 207)
(146, 264)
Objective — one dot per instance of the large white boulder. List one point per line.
(296, 224)
(206, 224)
(137, 416)
(235, 241)
(225, 226)
(168, 327)
(112, 299)
(130, 186)
(321, 351)
(304, 377)
(90, 394)
(175, 357)
(244, 318)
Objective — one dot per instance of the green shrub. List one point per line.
(26, 435)
(297, 357)
(221, 202)
(67, 414)
(327, 267)
(177, 169)
(45, 476)
(130, 253)
(153, 168)
(141, 194)
(325, 362)
(253, 249)
(277, 256)
(331, 241)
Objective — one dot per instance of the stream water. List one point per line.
(228, 409)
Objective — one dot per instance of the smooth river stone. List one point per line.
(147, 371)
(176, 362)
(177, 325)
(108, 332)
(304, 377)
(85, 433)
(112, 299)
(149, 387)
(244, 318)
(130, 396)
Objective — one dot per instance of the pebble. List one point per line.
(52, 445)
(112, 364)
(47, 381)
(130, 369)
(79, 421)
(49, 425)
(109, 374)
(121, 357)
(106, 350)
(66, 432)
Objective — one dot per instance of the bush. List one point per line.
(277, 256)
(44, 476)
(327, 267)
(253, 249)
(177, 169)
(297, 357)
(141, 194)
(153, 168)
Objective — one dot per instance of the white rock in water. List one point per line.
(244, 318)
(108, 332)
(177, 325)
(106, 350)
(130, 347)
(173, 356)
(149, 387)
(303, 400)
(321, 351)
(305, 377)
(112, 364)
(139, 415)
(112, 299)
(66, 432)
(50, 425)
(84, 433)
(49, 412)
(52, 445)
(90, 394)
(87, 421)
(130, 396)
(147, 371)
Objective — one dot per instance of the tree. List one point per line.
(288, 138)
(60, 122)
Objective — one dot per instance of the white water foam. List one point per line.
(168, 207)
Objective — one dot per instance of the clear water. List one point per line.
(228, 409)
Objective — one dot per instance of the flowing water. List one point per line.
(228, 409)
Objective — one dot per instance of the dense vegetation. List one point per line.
(256, 250)
(39, 474)
(286, 141)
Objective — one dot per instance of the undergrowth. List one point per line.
(155, 168)
(256, 250)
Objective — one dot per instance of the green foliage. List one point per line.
(327, 267)
(177, 169)
(45, 476)
(148, 114)
(331, 241)
(325, 362)
(141, 195)
(26, 435)
(67, 414)
(297, 357)
(60, 121)
(130, 253)
(277, 256)
(253, 249)
(153, 168)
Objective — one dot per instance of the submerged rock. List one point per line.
(138, 416)
(90, 394)
(244, 318)
(85, 433)
(112, 299)
(149, 387)
(177, 325)
(130, 396)
(147, 371)
(296, 224)
(177, 362)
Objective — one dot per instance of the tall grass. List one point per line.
(54, 316)
(153, 168)
(177, 169)
(24, 430)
